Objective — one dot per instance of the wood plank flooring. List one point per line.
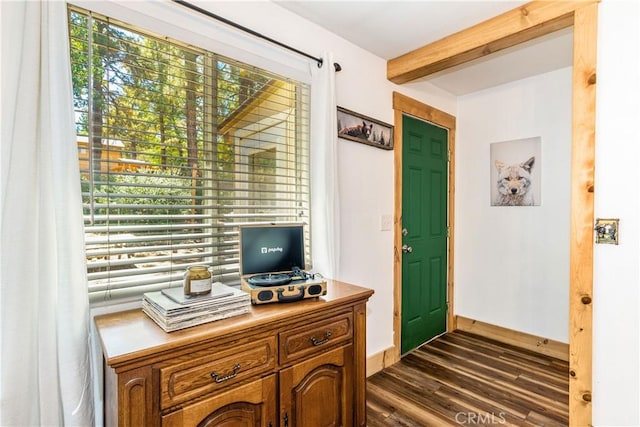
(464, 379)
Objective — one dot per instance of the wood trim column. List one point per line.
(582, 215)
(397, 232)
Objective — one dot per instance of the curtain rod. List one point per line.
(253, 33)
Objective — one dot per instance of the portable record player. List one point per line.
(272, 264)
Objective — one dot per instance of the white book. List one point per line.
(218, 290)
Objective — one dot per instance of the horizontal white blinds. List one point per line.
(178, 147)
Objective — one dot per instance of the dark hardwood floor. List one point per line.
(464, 379)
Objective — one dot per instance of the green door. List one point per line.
(424, 229)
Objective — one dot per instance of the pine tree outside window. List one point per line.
(177, 148)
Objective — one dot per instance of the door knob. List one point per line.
(407, 249)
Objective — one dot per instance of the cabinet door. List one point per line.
(318, 391)
(250, 405)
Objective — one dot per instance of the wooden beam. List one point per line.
(516, 26)
(582, 215)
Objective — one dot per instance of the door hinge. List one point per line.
(448, 232)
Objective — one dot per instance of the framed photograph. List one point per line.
(516, 172)
(359, 128)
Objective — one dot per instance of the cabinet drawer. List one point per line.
(310, 339)
(210, 370)
(245, 405)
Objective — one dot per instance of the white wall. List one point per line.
(512, 263)
(616, 308)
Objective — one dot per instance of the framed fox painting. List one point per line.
(516, 172)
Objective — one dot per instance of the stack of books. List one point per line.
(172, 310)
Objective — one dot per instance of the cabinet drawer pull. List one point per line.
(233, 374)
(316, 341)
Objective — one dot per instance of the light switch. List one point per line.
(386, 221)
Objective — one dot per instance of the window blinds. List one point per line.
(178, 147)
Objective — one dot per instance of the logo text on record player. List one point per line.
(266, 250)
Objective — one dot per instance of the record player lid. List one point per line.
(271, 248)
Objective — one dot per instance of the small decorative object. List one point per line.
(360, 128)
(197, 280)
(607, 231)
(515, 172)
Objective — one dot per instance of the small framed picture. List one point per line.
(607, 230)
(359, 128)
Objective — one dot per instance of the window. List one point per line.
(177, 147)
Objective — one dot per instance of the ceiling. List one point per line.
(391, 28)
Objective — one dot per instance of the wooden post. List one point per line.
(582, 215)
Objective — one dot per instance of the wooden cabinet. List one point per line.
(289, 364)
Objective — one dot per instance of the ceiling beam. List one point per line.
(516, 26)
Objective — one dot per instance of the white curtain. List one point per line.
(43, 296)
(325, 195)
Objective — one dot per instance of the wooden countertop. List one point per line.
(130, 335)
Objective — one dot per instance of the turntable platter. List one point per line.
(269, 279)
